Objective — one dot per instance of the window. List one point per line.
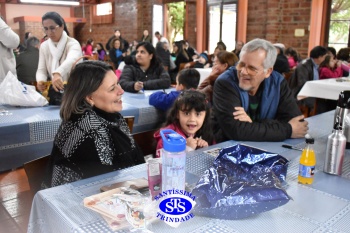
(339, 24)
(104, 9)
(102, 13)
(222, 23)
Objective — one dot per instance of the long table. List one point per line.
(324, 89)
(323, 206)
(27, 133)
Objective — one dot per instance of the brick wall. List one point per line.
(276, 21)
(131, 17)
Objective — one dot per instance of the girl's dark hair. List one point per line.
(151, 50)
(89, 41)
(186, 101)
(180, 49)
(102, 48)
(121, 43)
(343, 54)
(56, 18)
(293, 53)
(84, 79)
(189, 78)
(326, 61)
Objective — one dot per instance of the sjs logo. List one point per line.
(175, 206)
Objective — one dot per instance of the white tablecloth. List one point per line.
(324, 89)
(205, 72)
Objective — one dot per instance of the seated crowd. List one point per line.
(245, 97)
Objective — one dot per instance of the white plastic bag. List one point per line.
(16, 93)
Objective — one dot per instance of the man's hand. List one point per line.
(57, 82)
(299, 126)
(241, 115)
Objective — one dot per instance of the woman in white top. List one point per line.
(9, 40)
(57, 54)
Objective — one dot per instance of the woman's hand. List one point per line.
(57, 82)
(138, 86)
(41, 85)
(241, 115)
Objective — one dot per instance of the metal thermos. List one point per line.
(335, 151)
(343, 112)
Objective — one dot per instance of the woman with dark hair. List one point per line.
(343, 55)
(293, 57)
(146, 73)
(57, 54)
(116, 53)
(101, 51)
(222, 61)
(93, 137)
(117, 35)
(180, 54)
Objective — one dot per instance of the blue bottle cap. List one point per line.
(172, 141)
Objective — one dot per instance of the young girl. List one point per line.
(330, 68)
(189, 117)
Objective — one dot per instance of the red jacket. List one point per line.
(326, 72)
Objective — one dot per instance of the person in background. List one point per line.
(161, 38)
(202, 61)
(185, 80)
(93, 137)
(101, 51)
(332, 52)
(180, 57)
(9, 41)
(163, 55)
(132, 48)
(216, 51)
(56, 55)
(27, 62)
(330, 68)
(222, 62)
(307, 70)
(117, 53)
(191, 52)
(117, 35)
(146, 73)
(189, 117)
(251, 102)
(146, 37)
(87, 50)
(238, 48)
(343, 56)
(281, 65)
(293, 57)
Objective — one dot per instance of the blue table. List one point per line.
(323, 206)
(27, 133)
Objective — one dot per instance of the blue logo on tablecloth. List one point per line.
(175, 205)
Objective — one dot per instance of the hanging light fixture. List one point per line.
(54, 2)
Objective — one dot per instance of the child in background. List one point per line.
(330, 68)
(202, 61)
(189, 117)
(186, 79)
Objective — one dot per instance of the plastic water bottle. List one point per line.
(307, 163)
(173, 160)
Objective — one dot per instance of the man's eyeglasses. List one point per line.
(52, 28)
(252, 71)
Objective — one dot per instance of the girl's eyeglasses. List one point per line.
(52, 28)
